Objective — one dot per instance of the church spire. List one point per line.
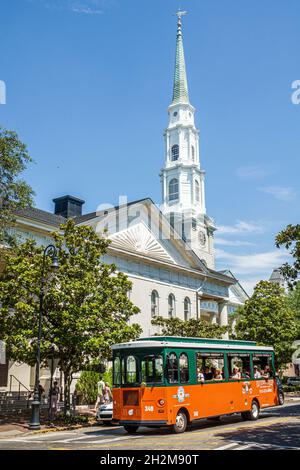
(180, 89)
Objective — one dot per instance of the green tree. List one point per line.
(290, 239)
(87, 386)
(268, 319)
(191, 328)
(293, 300)
(86, 304)
(15, 193)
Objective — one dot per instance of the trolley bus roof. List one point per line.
(190, 343)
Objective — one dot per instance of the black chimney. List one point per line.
(68, 206)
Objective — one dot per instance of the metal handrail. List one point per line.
(20, 384)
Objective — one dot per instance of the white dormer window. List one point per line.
(173, 189)
(175, 152)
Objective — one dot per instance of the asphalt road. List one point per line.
(277, 428)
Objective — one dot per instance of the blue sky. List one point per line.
(89, 82)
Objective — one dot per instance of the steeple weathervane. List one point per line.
(180, 14)
(180, 88)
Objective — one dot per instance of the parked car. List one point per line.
(280, 391)
(105, 413)
(293, 381)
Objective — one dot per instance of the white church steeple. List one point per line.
(183, 191)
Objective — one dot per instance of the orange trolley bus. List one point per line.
(172, 381)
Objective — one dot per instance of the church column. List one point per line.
(223, 312)
(165, 189)
(214, 318)
(168, 146)
(203, 193)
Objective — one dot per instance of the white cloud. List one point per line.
(87, 7)
(253, 172)
(86, 10)
(241, 227)
(252, 263)
(279, 192)
(224, 242)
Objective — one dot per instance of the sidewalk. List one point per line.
(12, 427)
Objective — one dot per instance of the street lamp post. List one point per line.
(50, 251)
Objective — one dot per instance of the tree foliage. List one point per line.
(191, 328)
(86, 304)
(15, 193)
(290, 239)
(268, 319)
(87, 386)
(293, 300)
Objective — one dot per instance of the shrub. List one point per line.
(291, 388)
(71, 419)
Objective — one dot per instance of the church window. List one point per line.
(173, 189)
(175, 152)
(154, 303)
(193, 153)
(197, 191)
(187, 309)
(171, 306)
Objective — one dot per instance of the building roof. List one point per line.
(180, 88)
(41, 216)
(93, 215)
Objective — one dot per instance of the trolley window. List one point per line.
(117, 371)
(172, 367)
(262, 366)
(210, 366)
(152, 369)
(238, 366)
(184, 368)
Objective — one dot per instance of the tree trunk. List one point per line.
(67, 383)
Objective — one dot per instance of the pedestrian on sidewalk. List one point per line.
(54, 394)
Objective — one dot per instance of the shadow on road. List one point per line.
(281, 435)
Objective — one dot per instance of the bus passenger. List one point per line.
(236, 373)
(266, 373)
(257, 374)
(207, 373)
(200, 375)
(218, 375)
(245, 374)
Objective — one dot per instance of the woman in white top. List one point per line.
(236, 373)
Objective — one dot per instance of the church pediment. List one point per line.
(139, 239)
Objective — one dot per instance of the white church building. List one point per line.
(167, 251)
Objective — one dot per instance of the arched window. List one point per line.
(184, 368)
(187, 309)
(154, 303)
(175, 152)
(173, 189)
(171, 305)
(197, 191)
(193, 153)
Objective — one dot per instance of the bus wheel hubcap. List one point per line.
(180, 421)
(254, 410)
